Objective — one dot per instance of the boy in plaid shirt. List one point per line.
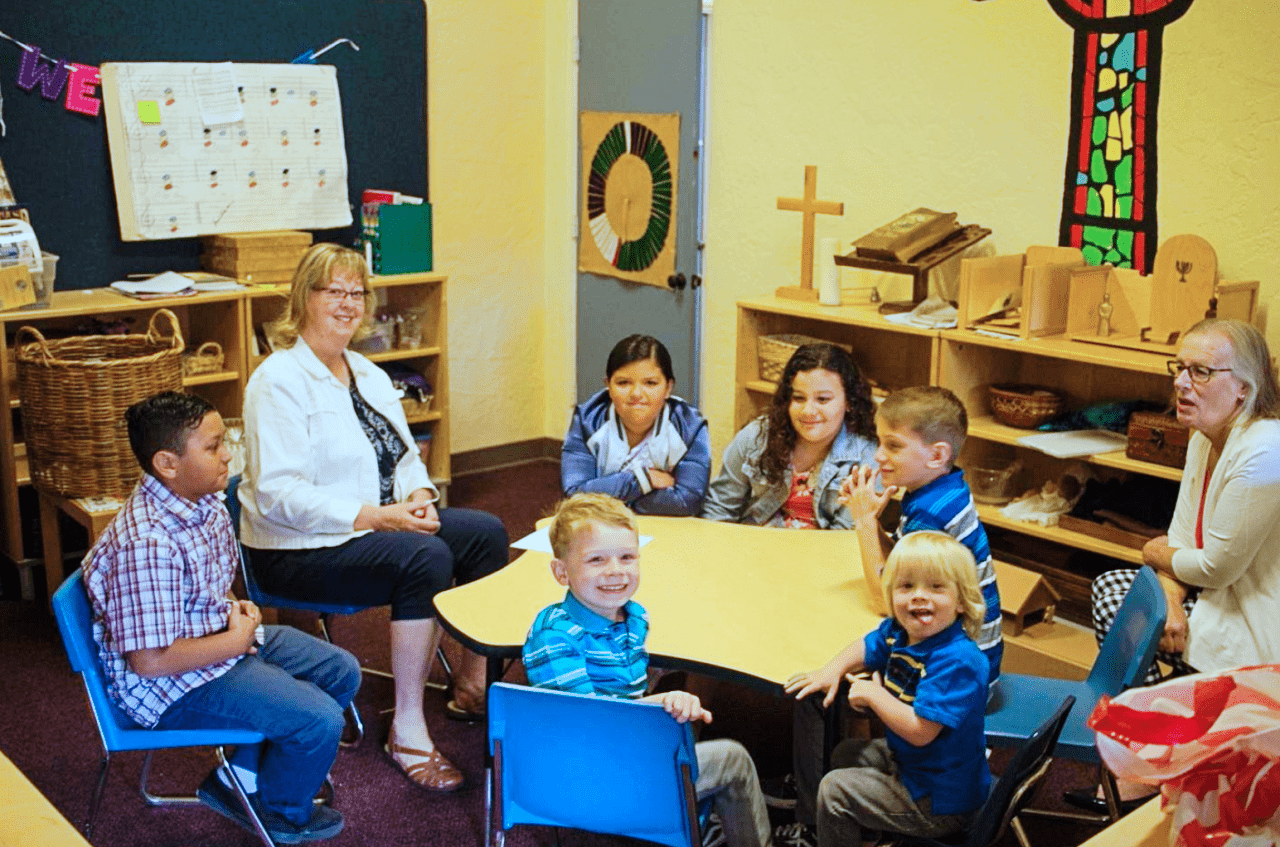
(180, 652)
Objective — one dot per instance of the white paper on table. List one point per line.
(539, 541)
(168, 282)
(1075, 443)
(216, 93)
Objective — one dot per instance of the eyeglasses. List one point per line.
(1199, 373)
(337, 295)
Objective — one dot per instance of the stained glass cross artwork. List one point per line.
(1109, 200)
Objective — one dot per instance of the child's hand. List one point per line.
(243, 625)
(659, 479)
(858, 493)
(824, 679)
(862, 691)
(684, 707)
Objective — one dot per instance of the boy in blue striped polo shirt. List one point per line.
(593, 643)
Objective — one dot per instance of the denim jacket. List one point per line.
(741, 494)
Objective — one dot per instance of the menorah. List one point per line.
(1182, 268)
(1109, 200)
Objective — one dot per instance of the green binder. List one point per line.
(404, 238)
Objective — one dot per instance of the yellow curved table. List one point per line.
(751, 604)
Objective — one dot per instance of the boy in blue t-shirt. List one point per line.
(928, 775)
(593, 643)
(921, 431)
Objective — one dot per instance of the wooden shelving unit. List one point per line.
(895, 356)
(229, 318)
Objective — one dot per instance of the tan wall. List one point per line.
(962, 106)
(487, 89)
(945, 103)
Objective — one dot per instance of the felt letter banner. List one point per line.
(31, 73)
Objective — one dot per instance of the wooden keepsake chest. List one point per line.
(1158, 438)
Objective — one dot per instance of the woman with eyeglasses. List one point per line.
(337, 505)
(1220, 563)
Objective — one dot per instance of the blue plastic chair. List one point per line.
(1011, 793)
(1021, 703)
(116, 730)
(592, 763)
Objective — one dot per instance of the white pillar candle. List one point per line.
(828, 272)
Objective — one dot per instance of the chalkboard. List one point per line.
(57, 159)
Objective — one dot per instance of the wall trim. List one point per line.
(502, 455)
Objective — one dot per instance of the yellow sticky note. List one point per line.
(149, 111)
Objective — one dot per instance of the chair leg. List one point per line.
(691, 807)
(358, 725)
(161, 799)
(494, 835)
(1016, 826)
(448, 672)
(243, 796)
(96, 799)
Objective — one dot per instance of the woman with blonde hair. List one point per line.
(1220, 563)
(337, 505)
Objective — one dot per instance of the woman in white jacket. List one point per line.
(337, 505)
(1220, 563)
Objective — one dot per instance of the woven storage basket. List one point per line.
(774, 351)
(415, 408)
(205, 359)
(1025, 406)
(74, 393)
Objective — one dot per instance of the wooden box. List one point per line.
(1157, 438)
(1022, 296)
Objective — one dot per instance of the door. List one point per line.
(645, 57)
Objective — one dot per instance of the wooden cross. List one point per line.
(809, 206)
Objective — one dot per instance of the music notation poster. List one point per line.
(200, 148)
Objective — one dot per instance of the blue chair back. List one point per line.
(1016, 787)
(592, 763)
(255, 591)
(1130, 646)
(117, 730)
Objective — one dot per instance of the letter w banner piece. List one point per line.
(1212, 744)
(53, 78)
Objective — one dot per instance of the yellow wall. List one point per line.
(487, 84)
(962, 106)
(945, 103)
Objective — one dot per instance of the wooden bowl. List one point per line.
(1025, 406)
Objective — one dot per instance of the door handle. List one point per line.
(676, 282)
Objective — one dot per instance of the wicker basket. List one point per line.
(775, 351)
(1025, 406)
(416, 408)
(74, 392)
(205, 359)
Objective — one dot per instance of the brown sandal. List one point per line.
(434, 773)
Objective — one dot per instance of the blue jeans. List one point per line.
(403, 569)
(293, 691)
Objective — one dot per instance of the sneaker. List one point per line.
(779, 791)
(713, 833)
(325, 822)
(795, 835)
(223, 800)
